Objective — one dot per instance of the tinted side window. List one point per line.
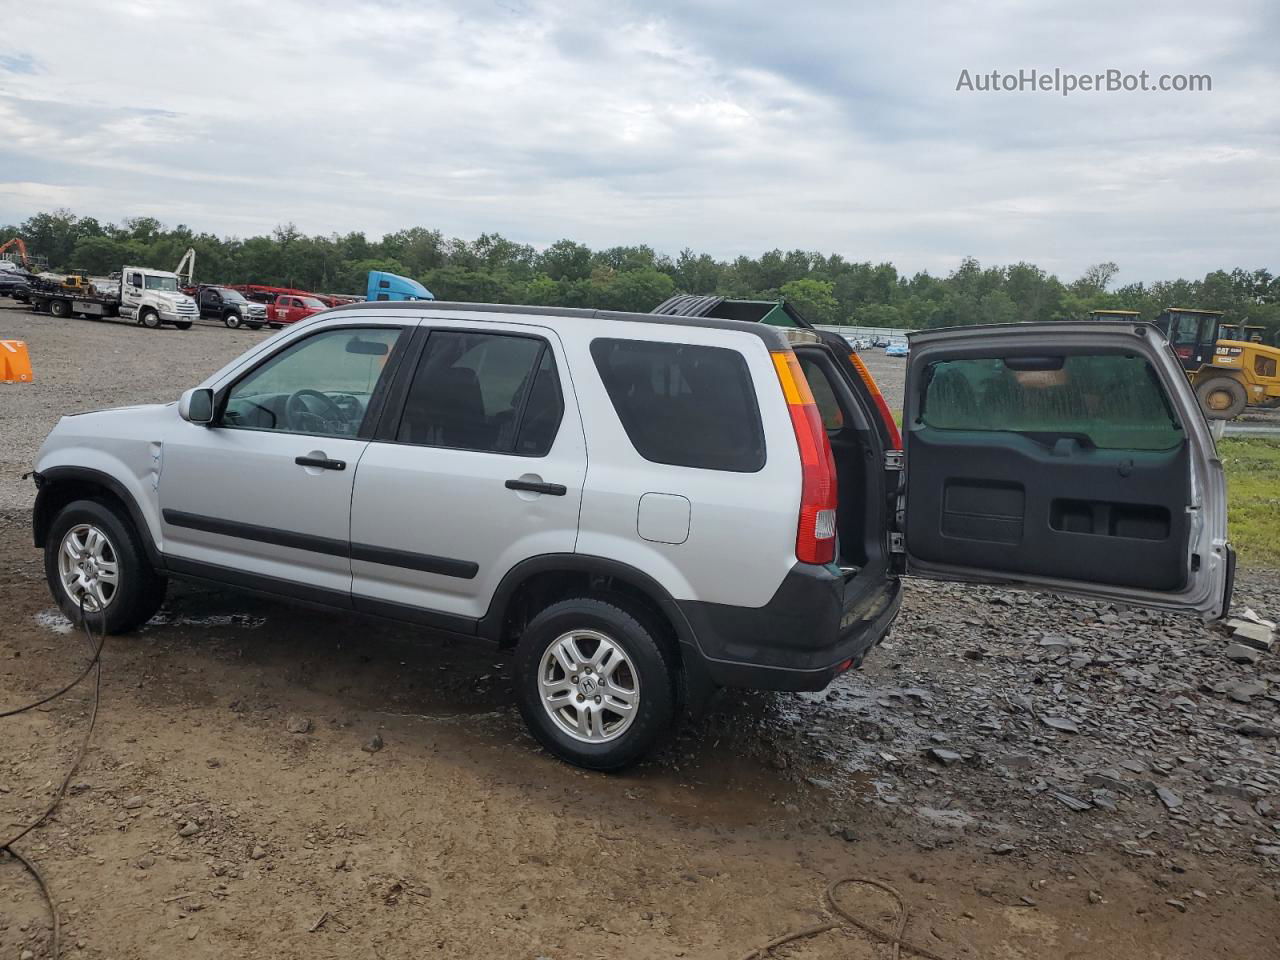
(1116, 402)
(482, 391)
(682, 404)
(320, 385)
(823, 394)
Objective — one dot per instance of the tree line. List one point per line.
(493, 269)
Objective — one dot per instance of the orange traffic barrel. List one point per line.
(15, 362)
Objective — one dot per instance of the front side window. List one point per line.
(1185, 330)
(1114, 402)
(481, 391)
(320, 385)
(684, 404)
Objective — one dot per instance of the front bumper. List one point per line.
(817, 625)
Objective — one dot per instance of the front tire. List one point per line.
(182, 324)
(597, 681)
(94, 555)
(1222, 398)
(149, 319)
(232, 320)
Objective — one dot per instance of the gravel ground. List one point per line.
(1039, 777)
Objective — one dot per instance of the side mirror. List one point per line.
(196, 406)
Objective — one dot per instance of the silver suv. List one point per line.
(644, 507)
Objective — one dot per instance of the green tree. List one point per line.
(566, 260)
(815, 299)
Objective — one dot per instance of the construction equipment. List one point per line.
(1250, 332)
(186, 268)
(17, 244)
(1227, 374)
(1133, 315)
(1227, 371)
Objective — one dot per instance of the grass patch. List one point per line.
(1253, 498)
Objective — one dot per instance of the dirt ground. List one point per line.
(200, 825)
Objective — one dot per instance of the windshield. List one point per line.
(312, 302)
(167, 284)
(231, 296)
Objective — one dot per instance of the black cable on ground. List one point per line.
(7, 845)
(894, 939)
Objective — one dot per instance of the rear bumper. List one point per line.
(816, 625)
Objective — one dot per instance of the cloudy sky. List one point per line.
(730, 127)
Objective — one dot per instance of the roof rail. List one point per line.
(772, 337)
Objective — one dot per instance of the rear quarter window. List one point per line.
(682, 404)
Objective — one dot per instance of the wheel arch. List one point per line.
(59, 486)
(534, 583)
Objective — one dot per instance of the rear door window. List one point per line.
(1113, 401)
(480, 391)
(683, 404)
(823, 393)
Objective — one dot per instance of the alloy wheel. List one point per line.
(88, 567)
(588, 686)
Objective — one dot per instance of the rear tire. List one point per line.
(60, 309)
(1222, 398)
(625, 672)
(149, 319)
(102, 528)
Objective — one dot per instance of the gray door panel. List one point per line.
(435, 525)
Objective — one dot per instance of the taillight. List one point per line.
(895, 437)
(1183, 352)
(816, 533)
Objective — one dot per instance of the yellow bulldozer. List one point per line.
(1228, 374)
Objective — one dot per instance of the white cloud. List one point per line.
(715, 126)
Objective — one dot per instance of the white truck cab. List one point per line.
(152, 298)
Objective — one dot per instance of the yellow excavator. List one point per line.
(1227, 373)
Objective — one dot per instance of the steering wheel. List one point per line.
(300, 409)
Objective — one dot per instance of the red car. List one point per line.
(289, 308)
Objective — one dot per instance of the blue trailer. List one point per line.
(389, 286)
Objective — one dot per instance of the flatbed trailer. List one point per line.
(50, 296)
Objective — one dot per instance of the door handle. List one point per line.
(554, 489)
(324, 463)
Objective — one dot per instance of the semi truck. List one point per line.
(149, 297)
(391, 286)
